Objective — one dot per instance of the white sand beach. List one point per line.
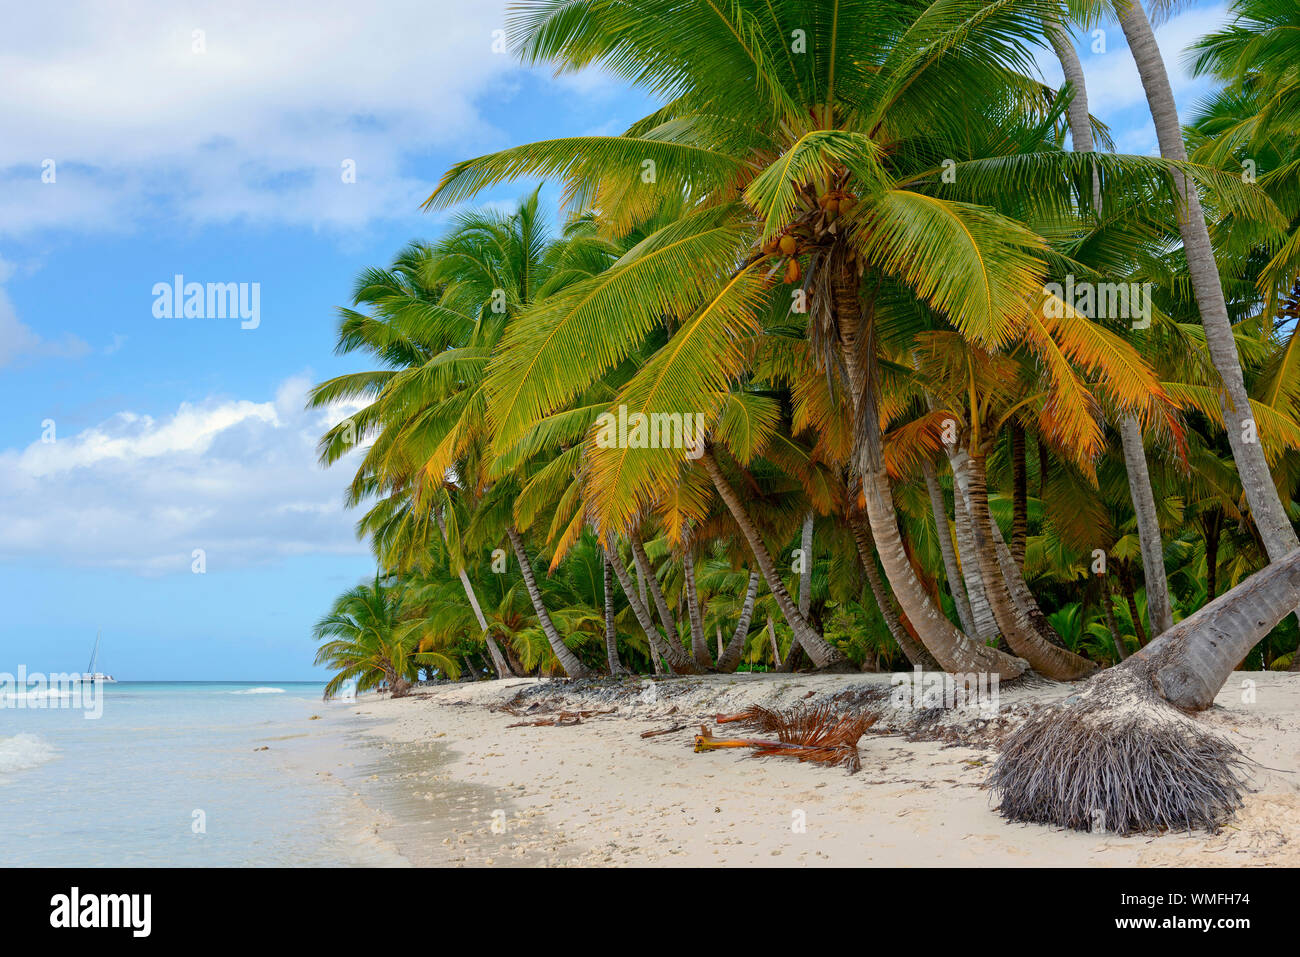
(597, 793)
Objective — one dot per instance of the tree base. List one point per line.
(1118, 758)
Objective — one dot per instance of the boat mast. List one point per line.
(90, 668)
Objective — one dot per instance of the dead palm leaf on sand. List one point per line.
(809, 733)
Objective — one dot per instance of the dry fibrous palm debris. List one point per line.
(809, 733)
(1118, 758)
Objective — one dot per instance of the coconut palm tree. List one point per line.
(1270, 517)
(797, 173)
(367, 640)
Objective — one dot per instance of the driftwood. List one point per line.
(563, 719)
(655, 734)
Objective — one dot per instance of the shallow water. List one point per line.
(182, 774)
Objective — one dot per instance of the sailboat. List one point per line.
(93, 675)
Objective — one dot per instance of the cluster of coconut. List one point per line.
(833, 203)
(836, 201)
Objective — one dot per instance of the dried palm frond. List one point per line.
(809, 733)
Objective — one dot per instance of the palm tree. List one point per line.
(369, 642)
(1144, 503)
(798, 172)
(1270, 518)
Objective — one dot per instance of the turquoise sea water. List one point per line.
(132, 787)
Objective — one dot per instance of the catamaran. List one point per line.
(93, 675)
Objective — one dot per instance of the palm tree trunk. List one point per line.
(953, 650)
(914, 652)
(1213, 524)
(985, 625)
(611, 631)
(1159, 608)
(659, 650)
(821, 653)
(1108, 609)
(955, 585)
(678, 660)
(568, 660)
(1266, 508)
(1021, 596)
(498, 659)
(776, 649)
(805, 570)
(1019, 496)
(729, 658)
(805, 591)
(1047, 659)
(1191, 661)
(699, 644)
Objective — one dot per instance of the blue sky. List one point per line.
(224, 165)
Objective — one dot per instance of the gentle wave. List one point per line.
(49, 694)
(23, 751)
(260, 691)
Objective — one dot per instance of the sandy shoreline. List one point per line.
(599, 794)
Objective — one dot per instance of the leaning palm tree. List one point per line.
(427, 419)
(1270, 517)
(367, 641)
(829, 167)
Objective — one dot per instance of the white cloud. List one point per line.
(236, 478)
(256, 127)
(1115, 92)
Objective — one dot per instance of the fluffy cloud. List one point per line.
(254, 127)
(1115, 91)
(235, 478)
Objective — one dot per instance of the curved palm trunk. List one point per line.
(956, 587)
(1266, 508)
(699, 644)
(1191, 661)
(818, 649)
(568, 660)
(1159, 608)
(611, 632)
(950, 647)
(678, 660)
(729, 659)
(659, 650)
(1046, 658)
(915, 653)
(499, 662)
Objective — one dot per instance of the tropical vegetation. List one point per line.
(805, 377)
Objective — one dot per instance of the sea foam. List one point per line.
(23, 751)
(259, 691)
